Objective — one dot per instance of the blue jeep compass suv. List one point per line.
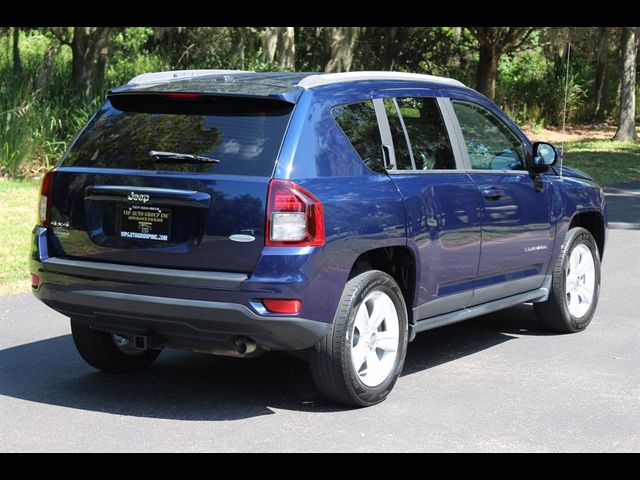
(336, 214)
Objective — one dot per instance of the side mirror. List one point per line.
(545, 155)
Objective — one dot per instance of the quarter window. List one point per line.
(358, 122)
(490, 142)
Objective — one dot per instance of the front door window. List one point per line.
(490, 143)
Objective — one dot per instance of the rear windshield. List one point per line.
(245, 135)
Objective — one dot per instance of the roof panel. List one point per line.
(286, 86)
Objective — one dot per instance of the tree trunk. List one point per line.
(286, 48)
(81, 60)
(102, 49)
(602, 79)
(270, 43)
(457, 33)
(493, 42)
(17, 63)
(626, 117)
(487, 69)
(46, 67)
(84, 49)
(238, 47)
(341, 44)
(389, 56)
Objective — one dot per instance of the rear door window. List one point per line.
(427, 133)
(399, 136)
(245, 135)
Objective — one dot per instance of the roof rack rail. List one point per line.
(318, 79)
(155, 77)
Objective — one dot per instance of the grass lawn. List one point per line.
(591, 151)
(17, 219)
(607, 162)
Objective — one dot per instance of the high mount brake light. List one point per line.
(181, 96)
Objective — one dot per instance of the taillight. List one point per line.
(294, 216)
(44, 205)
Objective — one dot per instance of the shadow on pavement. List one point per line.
(187, 386)
(447, 344)
(623, 205)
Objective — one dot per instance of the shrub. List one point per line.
(531, 89)
(37, 122)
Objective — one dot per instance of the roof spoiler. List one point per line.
(197, 103)
(155, 77)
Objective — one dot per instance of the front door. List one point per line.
(517, 233)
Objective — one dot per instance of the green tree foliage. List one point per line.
(493, 42)
(52, 79)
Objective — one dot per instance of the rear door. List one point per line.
(517, 232)
(114, 202)
(441, 202)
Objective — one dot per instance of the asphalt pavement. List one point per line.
(496, 383)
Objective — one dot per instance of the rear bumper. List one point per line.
(176, 308)
(179, 323)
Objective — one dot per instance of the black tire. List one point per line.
(554, 314)
(99, 350)
(331, 364)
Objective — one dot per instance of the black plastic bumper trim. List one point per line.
(184, 322)
(135, 274)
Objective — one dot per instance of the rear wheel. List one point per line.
(575, 286)
(110, 352)
(361, 357)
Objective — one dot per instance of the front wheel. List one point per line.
(575, 285)
(361, 357)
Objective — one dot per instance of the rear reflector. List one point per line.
(278, 305)
(35, 281)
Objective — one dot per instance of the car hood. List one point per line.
(573, 172)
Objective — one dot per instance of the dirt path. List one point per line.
(574, 133)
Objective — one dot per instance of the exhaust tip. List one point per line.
(245, 346)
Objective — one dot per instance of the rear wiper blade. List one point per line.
(180, 157)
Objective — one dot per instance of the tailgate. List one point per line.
(113, 202)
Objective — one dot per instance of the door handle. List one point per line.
(386, 158)
(492, 193)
